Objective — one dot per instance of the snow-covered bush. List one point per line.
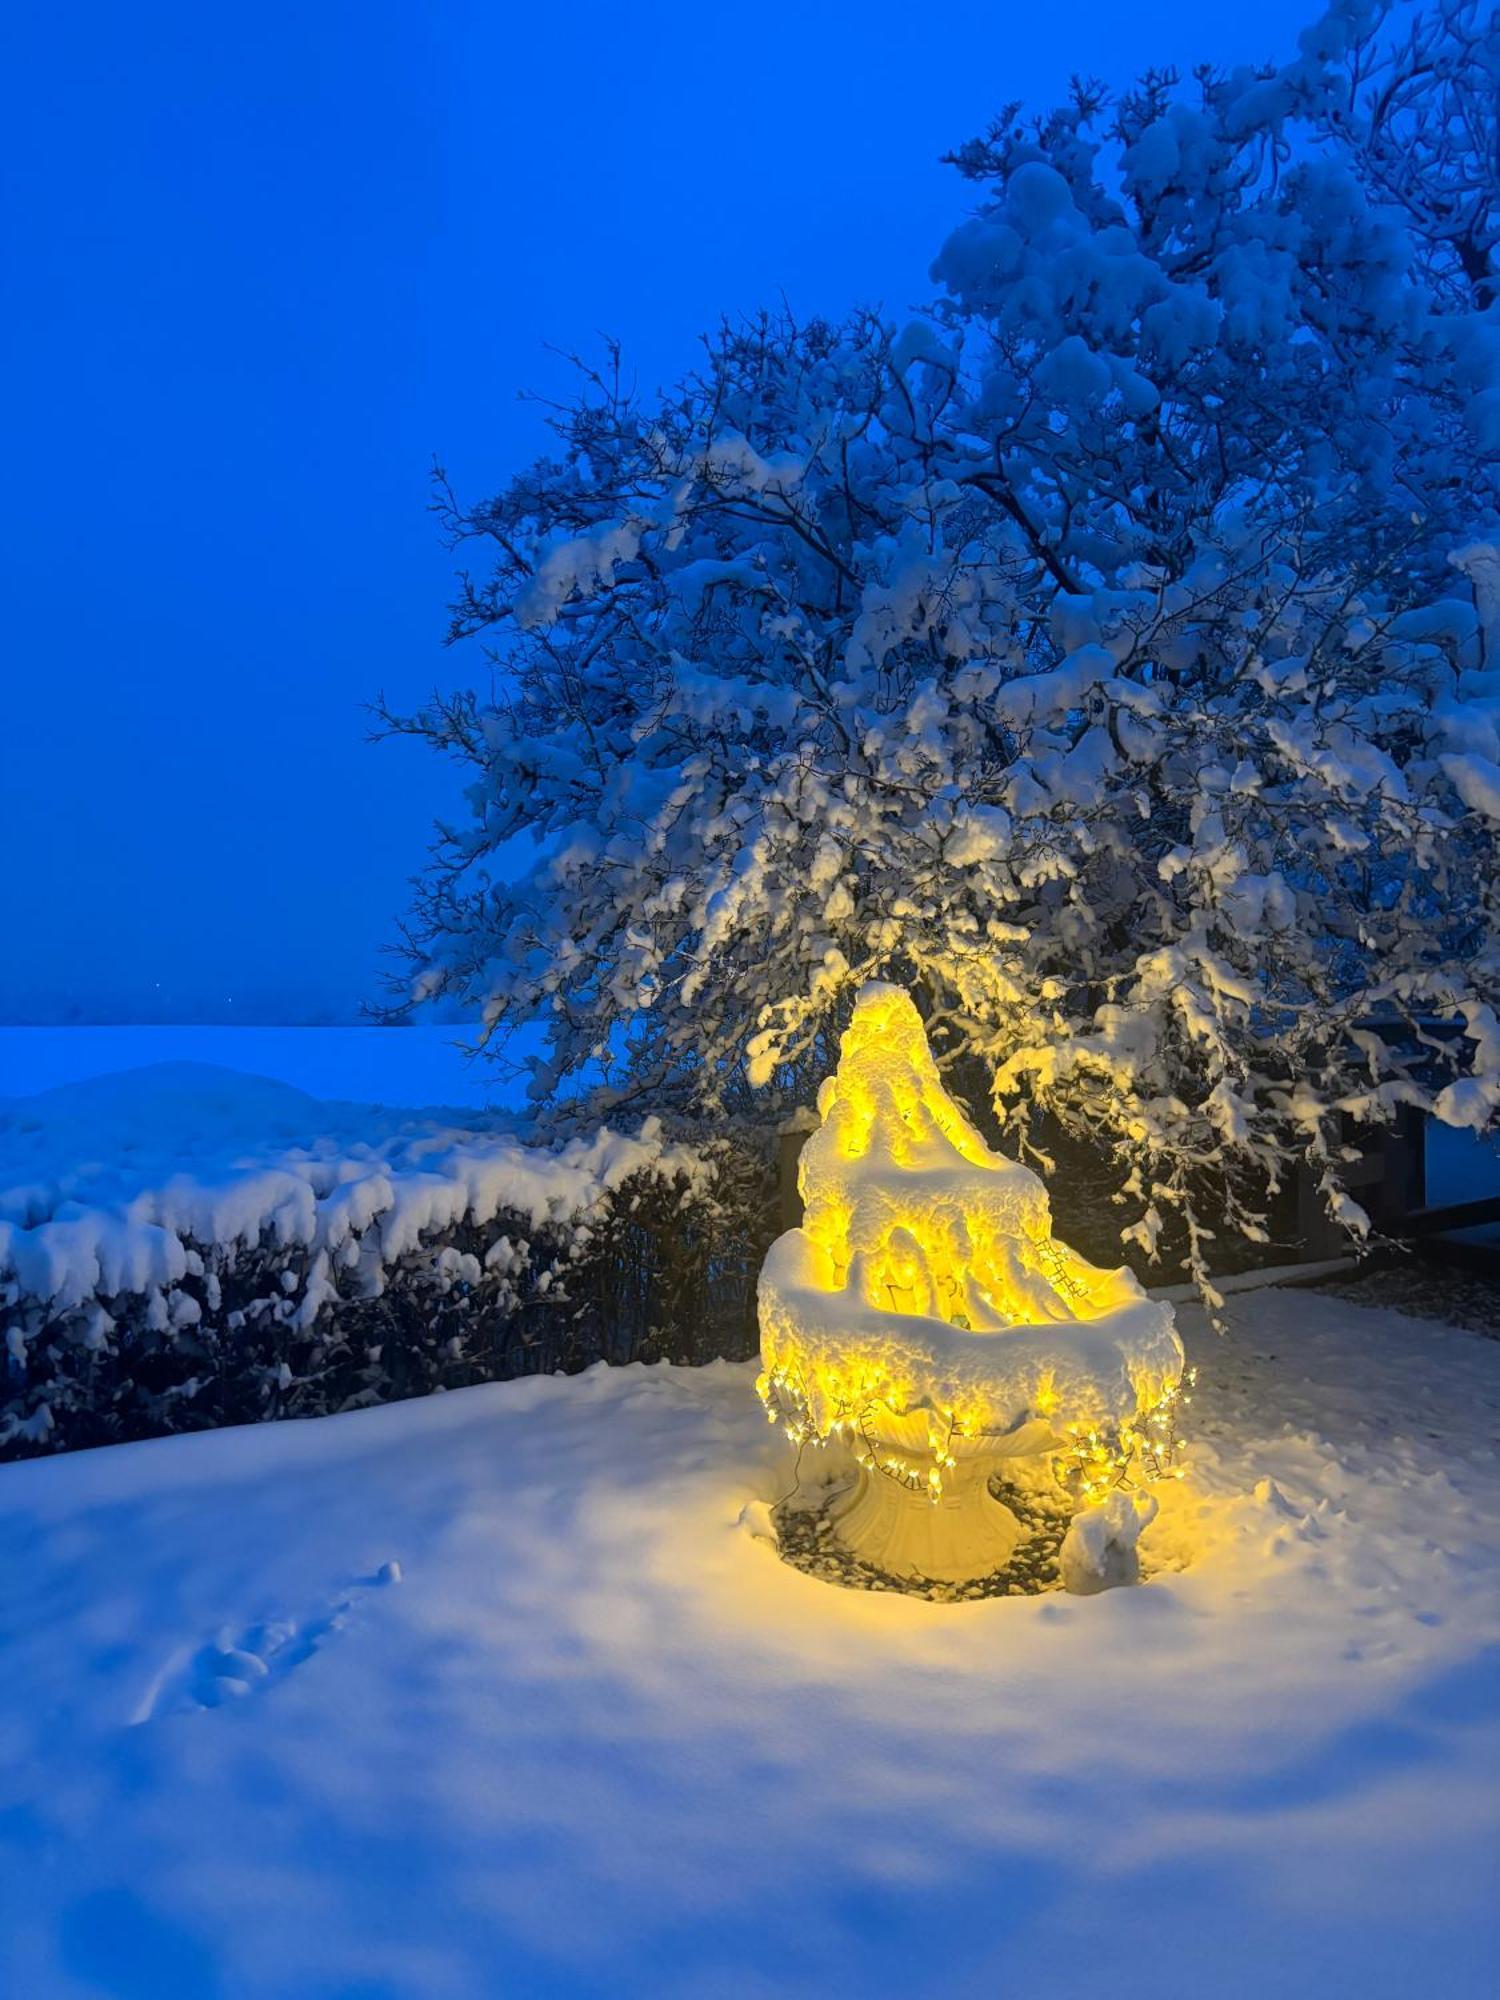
(311, 1282)
(1111, 654)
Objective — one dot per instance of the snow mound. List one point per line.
(1099, 1550)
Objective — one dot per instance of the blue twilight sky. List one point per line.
(263, 264)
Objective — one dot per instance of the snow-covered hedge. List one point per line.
(294, 1280)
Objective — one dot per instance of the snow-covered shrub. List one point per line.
(327, 1284)
(1111, 654)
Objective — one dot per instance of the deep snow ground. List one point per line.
(595, 1738)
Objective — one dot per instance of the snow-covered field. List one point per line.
(494, 1694)
(411, 1066)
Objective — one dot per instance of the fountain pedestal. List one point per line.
(965, 1533)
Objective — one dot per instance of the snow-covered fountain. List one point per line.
(925, 1318)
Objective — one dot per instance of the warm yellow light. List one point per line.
(925, 1313)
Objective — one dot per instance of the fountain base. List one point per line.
(895, 1528)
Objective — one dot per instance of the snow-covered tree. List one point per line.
(1111, 654)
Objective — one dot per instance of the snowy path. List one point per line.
(587, 1736)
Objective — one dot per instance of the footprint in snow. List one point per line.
(234, 1664)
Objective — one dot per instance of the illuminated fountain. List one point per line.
(925, 1317)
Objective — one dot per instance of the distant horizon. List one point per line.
(413, 1064)
(266, 1012)
(205, 1020)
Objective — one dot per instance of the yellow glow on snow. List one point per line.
(925, 1314)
